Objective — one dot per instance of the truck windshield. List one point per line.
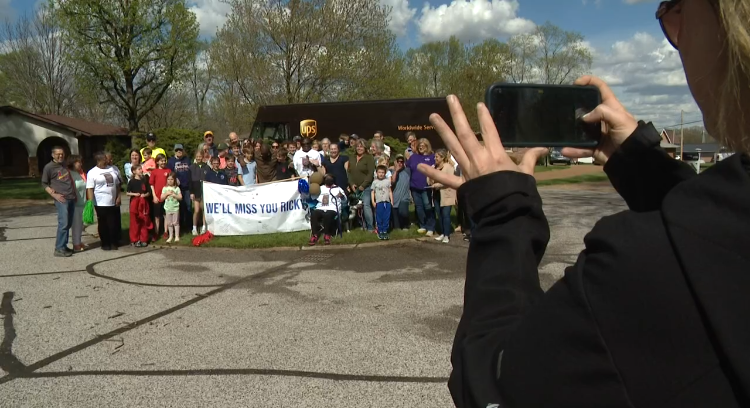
(268, 130)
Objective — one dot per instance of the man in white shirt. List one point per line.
(306, 151)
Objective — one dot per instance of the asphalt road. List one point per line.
(370, 326)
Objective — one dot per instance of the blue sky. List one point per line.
(629, 50)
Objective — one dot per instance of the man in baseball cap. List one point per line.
(151, 143)
(208, 138)
(353, 140)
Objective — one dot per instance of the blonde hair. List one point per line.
(426, 142)
(734, 92)
(445, 156)
(383, 161)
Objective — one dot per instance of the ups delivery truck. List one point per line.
(331, 119)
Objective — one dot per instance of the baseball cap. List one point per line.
(297, 138)
(178, 146)
(208, 132)
(223, 146)
(150, 136)
(354, 136)
(399, 157)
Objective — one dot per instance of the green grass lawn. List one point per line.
(585, 178)
(26, 188)
(287, 239)
(542, 169)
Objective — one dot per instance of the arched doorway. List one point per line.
(44, 151)
(14, 158)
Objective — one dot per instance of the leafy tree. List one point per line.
(132, 50)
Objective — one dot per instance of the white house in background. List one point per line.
(27, 139)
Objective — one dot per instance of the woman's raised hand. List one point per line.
(475, 159)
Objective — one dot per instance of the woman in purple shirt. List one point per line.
(420, 191)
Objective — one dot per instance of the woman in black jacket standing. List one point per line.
(655, 311)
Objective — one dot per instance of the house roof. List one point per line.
(76, 125)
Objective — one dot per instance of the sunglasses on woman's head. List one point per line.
(275, 146)
(670, 20)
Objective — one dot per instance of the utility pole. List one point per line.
(682, 136)
(703, 134)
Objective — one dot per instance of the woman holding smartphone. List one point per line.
(654, 312)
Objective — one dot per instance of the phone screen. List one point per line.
(543, 115)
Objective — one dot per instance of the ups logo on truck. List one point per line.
(308, 128)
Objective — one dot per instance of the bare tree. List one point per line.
(43, 79)
(299, 50)
(521, 57)
(201, 76)
(562, 56)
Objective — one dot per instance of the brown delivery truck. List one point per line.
(330, 119)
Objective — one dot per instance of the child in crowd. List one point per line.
(140, 219)
(382, 201)
(284, 170)
(324, 216)
(148, 162)
(216, 175)
(171, 196)
(445, 197)
(247, 165)
(383, 161)
(197, 175)
(291, 148)
(158, 180)
(233, 174)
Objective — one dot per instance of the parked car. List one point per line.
(557, 157)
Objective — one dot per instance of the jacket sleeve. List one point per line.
(370, 165)
(502, 280)
(642, 172)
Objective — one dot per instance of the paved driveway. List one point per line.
(371, 326)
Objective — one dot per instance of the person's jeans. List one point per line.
(401, 215)
(367, 209)
(77, 225)
(65, 214)
(186, 210)
(423, 207)
(383, 216)
(445, 221)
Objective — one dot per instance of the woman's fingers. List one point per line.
(608, 97)
(450, 140)
(464, 133)
(531, 158)
(491, 138)
(576, 153)
(448, 180)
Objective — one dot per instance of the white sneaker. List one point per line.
(440, 237)
(169, 240)
(429, 234)
(446, 240)
(176, 239)
(195, 231)
(203, 231)
(421, 230)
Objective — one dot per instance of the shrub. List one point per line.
(167, 138)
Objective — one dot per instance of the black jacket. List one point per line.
(655, 312)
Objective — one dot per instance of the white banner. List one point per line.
(253, 210)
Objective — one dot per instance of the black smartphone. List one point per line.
(532, 115)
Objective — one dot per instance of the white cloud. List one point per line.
(472, 20)
(401, 15)
(211, 15)
(646, 75)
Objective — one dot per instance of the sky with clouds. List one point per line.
(629, 49)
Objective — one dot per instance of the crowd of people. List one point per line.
(165, 190)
